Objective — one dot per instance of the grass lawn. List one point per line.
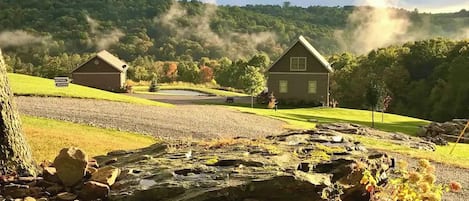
(298, 119)
(47, 137)
(201, 89)
(25, 85)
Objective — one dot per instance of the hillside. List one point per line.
(25, 85)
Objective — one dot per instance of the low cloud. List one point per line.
(233, 44)
(382, 25)
(20, 38)
(102, 39)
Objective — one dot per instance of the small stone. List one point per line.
(42, 199)
(66, 196)
(50, 174)
(71, 165)
(91, 170)
(54, 190)
(106, 175)
(94, 190)
(93, 163)
(118, 153)
(110, 161)
(29, 199)
(16, 191)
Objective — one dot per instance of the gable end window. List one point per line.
(297, 63)
(283, 86)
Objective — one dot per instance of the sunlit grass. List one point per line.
(25, 85)
(47, 137)
(306, 118)
(300, 119)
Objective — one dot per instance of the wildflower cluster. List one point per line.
(417, 184)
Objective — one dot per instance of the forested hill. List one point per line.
(425, 76)
(165, 30)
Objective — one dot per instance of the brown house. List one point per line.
(103, 71)
(300, 74)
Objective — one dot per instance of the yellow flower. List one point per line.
(424, 163)
(424, 187)
(414, 177)
(429, 178)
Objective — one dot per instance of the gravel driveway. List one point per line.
(196, 121)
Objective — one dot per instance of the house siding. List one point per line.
(298, 87)
(108, 81)
(102, 66)
(298, 50)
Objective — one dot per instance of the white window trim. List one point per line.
(299, 69)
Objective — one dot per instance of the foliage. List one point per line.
(424, 79)
(154, 84)
(407, 184)
(47, 137)
(24, 85)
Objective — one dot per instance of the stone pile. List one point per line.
(72, 176)
(322, 164)
(440, 133)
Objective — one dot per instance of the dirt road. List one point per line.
(196, 121)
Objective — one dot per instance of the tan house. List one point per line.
(301, 74)
(103, 71)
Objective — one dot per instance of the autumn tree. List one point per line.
(15, 153)
(206, 74)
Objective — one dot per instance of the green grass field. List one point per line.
(298, 119)
(206, 90)
(47, 137)
(25, 85)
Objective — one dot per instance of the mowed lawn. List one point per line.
(206, 90)
(25, 85)
(47, 137)
(306, 118)
(300, 119)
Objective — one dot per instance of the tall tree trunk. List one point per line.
(372, 117)
(15, 153)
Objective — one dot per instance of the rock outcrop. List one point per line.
(440, 133)
(294, 166)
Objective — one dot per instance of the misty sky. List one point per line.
(422, 5)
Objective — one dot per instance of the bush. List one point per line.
(153, 86)
(408, 184)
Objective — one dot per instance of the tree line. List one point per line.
(426, 79)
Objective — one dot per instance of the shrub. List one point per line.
(408, 185)
(153, 86)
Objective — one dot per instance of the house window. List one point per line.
(297, 63)
(283, 86)
(312, 87)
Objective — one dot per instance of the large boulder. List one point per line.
(71, 165)
(441, 133)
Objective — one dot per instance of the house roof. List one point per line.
(108, 58)
(311, 49)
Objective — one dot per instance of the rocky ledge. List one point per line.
(322, 164)
(440, 133)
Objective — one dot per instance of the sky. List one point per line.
(433, 6)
